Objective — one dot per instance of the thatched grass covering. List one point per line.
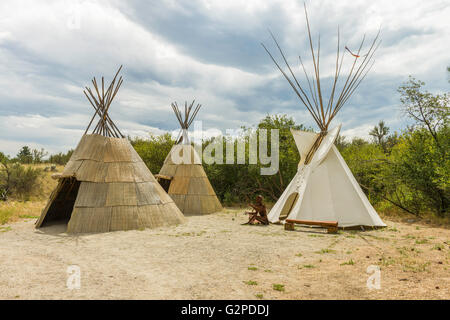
(190, 187)
(116, 192)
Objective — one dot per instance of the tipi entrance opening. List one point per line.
(164, 181)
(61, 202)
(288, 205)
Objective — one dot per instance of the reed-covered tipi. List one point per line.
(324, 188)
(182, 174)
(106, 186)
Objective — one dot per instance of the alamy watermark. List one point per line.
(374, 280)
(73, 21)
(216, 150)
(74, 277)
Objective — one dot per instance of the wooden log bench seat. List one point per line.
(331, 226)
(161, 176)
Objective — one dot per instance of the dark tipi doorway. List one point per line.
(59, 208)
(288, 205)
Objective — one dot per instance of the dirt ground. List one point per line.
(214, 257)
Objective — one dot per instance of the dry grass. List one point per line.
(46, 181)
(14, 210)
(214, 257)
(396, 214)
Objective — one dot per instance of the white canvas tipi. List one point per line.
(324, 187)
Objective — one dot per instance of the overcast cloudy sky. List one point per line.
(208, 50)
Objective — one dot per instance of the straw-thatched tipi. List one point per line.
(106, 186)
(324, 188)
(182, 174)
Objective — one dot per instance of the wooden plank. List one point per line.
(289, 226)
(314, 223)
(161, 176)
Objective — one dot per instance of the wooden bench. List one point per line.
(331, 226)
(161, 176)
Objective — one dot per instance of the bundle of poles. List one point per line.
(311, 94)
(101, 101)
(188, 117)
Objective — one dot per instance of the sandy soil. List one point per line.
(214, 257)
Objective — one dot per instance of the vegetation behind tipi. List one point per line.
(409, 170)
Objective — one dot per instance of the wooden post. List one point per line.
(289, 226)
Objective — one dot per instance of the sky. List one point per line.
(205, 50)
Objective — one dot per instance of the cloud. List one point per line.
(207, 50)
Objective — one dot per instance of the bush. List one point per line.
(60, 158)
(5, 215)
(18, 181)
(154, 150)
(367, 162)
(422, 171)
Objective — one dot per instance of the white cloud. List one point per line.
(50, 58)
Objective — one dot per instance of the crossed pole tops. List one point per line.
(101, 101)
(186, 121)
(310, 91)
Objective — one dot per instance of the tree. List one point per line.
(379, 134)
(420, 161)
(241, 182)
(17, 180)
(366, 161)
(38, 155)
(25, 155)
(419, 176)
(60, 158)
(4, 176)
(153, 150)
(427, 110)
(340, 142)
(448, 70)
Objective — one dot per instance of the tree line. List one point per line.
(408, 169)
